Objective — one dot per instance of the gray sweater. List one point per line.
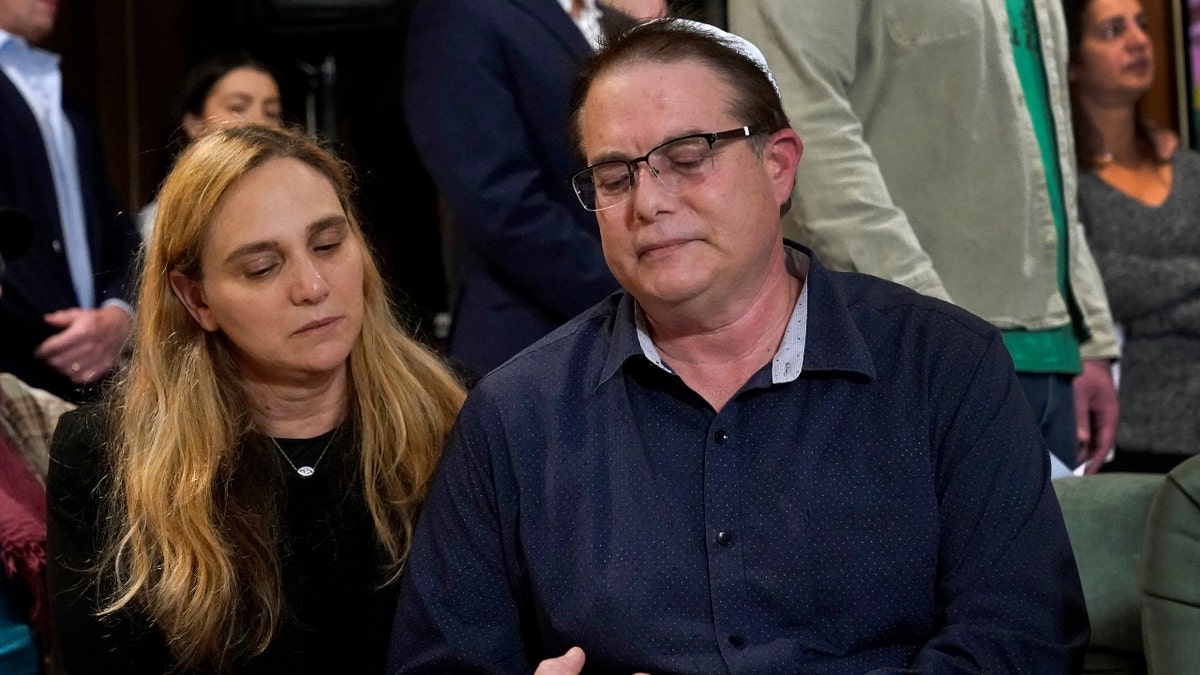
(1150, 261)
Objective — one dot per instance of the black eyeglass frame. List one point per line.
(744, 131)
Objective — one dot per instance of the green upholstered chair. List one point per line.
(1106, 516)
(1170, 574)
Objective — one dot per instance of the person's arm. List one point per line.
(76, 490)
(1008, 592)
(1138, 285)
(88, 342)
(112, 229)
(460, 606)
(468, 106)
(841, 204)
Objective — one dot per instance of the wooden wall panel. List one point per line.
(1162, 101)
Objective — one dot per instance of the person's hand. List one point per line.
(1095, 413)
(570, 663)
(89, 343)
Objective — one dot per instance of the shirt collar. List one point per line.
(831, 342)
(31, 61)
(588, 20)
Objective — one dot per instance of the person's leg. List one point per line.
(1053, 402)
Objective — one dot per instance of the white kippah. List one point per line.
(737, 43)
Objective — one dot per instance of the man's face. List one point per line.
(31, 19)
(708, 246)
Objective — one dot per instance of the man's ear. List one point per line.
(192, 296)
(781, 156)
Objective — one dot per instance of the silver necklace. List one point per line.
(305, 470)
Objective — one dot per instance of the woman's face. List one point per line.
(282, 275)
(1116, 62)
(242, 97)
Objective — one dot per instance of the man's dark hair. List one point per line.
(755, 102)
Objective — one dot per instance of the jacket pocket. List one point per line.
(914, 23)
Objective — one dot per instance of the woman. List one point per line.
(225, 90)
(245, 501)
(1139, 198)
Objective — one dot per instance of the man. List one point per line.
(743, 463)
(940, 157)
(64, 311)
(486, 88)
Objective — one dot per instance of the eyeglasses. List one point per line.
(677, 164)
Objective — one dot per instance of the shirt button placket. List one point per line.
(724, 487)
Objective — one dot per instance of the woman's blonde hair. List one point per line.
(187, 546)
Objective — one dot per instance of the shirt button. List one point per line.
(720, 437)
(737, 640)
(56, 245)
(724, 538)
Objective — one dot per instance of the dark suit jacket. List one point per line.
(486, 95)
(39, 281)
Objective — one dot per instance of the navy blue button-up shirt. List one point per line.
(887, 509)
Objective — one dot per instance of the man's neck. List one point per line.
(299, 409)
(716, 352)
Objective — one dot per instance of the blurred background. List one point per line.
(340, 63)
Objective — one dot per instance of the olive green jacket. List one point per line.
(920, 161)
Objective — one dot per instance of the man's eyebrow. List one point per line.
(613, 156)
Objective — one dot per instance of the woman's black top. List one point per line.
(336, 619)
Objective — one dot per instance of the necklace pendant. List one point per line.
(305, 471)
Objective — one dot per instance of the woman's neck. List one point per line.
(1115, 124)
(1122, 162)
(300, 409)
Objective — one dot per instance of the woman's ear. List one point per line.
(193, 126)
(191, 295)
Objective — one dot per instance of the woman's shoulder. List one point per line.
(1165, 141)
(78, 448)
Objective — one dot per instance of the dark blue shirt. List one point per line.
(888, 509)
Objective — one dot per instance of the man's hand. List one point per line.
(1095, 413)
(89, 343)
(570, 663)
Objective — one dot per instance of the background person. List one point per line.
(940, 158)
(224, 90)
(486, 88)
(1139, 198)
(245, 500)
(27, 420)
(65, 311)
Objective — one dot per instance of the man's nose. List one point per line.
(647, 193)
